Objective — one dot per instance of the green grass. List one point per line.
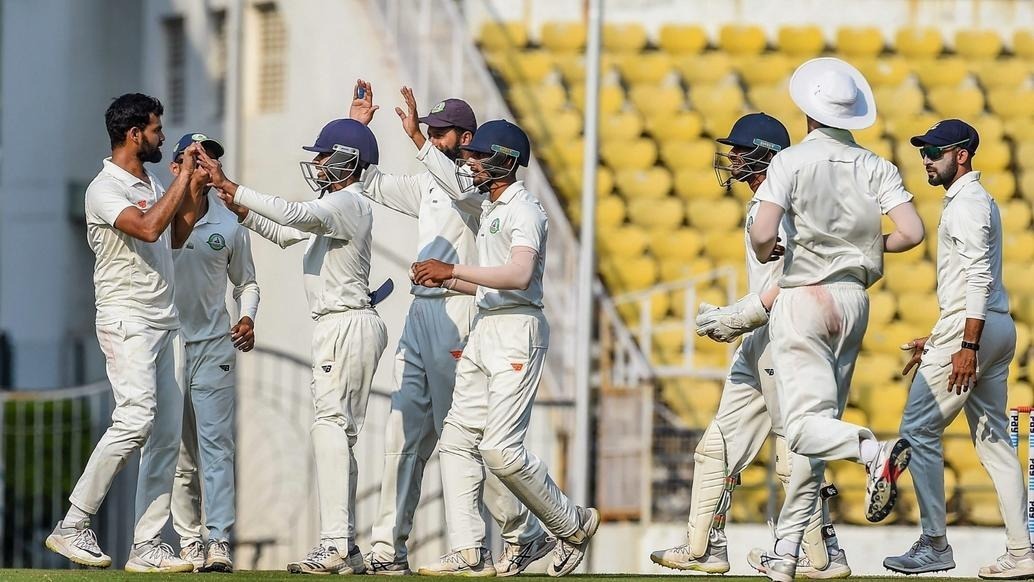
(268, 576)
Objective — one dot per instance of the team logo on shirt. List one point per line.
(494, 228)
(217, 242)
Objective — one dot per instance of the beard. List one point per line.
(451, 153)
(941, 177)
(151, 153)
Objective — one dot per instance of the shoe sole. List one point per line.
(828, 573)
(885, 494)
(157, 570)
(486, 573)
(54, 545)
(220, 567)
(406, 572)
(590, 530)
(938, 568)
(1021, 576)
(683, 567)
(761, 569)
(297, 569)
(546, 549)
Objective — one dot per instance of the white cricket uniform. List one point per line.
(137, 327)
(217, 248)
(349, 336)
(834, 192)
(496, 381)
(433, 338)
(969, 285)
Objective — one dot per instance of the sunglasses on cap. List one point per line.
(934, 153)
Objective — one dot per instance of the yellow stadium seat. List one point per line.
(635, 154)
(917, 277)
(1021, 129)
(694, 154)
(767, 69)
(725, 246)
(646, 98)
(666, 213)
(1011, 103)
(1027, 185)
(917, 184)
(989, 127)
(706, 69)
(612, 97)
(801, 42)
(882, 307)
(610, 211)
(529, 67)
(502, 36)
(682, 39)
(564, 37)
(636, 272)
(992, 156)
(718, 124)
(678, 269)
(571, 67)
(570, 153)
(880, 147)
(1023, 340)
(1001, 185)
(625, 37)
(1015, 215)
(855, 416)
(693, 268)
(903, 128)
(648, 68)
(951, 102)
(857, 42)
(1019, 280)
(960, 454)
(771, 99)
(869, 134)
(1024, 153)
(904, 101)
(1018, 246)
(652, 182)
(621, 126)
(918, 43)
(572, 176)
(872, 370)
(622, 242)
(682, 244)
(888, 71)
(719, 100)
(559, 125)
(711, 215)
(943, 72)
(674, 126)
(1023, 43)
(958, 427)
(740, 40)
(1002, 74)
(887, 339)
(981, 502)
(919, 309)
(697, 184)
(537, 100)
(977, 44)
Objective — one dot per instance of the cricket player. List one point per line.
(832, 191)
(349, 336)
(499, 372)
(749, 410)
(128, 214)
(964, 362)
(435, 333)
(218, 248)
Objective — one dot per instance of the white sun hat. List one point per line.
(833, 93)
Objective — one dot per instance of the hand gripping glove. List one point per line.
(725, 324)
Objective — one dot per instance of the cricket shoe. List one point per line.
(79, 544)
(156, 556)
(881, 491)
(1009, 567)
(921, 558)
(517, 557)
(776, 566)
(325, 559)
(379, 567)
(218, 558)
(714, 561)
(194, 552)
(569, 552)
(836, 568)
(474, 562)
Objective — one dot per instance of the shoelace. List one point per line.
(318, 554)
(86, 539)
(683, 549)
(454, 558)
(159, 552)
(515, 557)
(219, 547)
(196, 550)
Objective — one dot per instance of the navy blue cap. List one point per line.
(451, 113)
(501, 136)
(350, 133)
(949, 132)
(757, 129)
(212, 147)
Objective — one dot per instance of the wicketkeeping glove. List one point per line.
(725, 324)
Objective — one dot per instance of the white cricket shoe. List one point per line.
(714, 561)
(156, 556)
(79, 544)
(325, 559)
(776, 566)
(836, 568)
(1009, 567)
(473, 562)
(380, 567)
(218, 558)
(881, 491)
(921, 558)
(569, 552)
(516, 558)
(194, 552)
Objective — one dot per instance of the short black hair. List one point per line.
(129, 111)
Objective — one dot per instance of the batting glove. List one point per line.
(725, 324)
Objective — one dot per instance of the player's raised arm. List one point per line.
(149, 225)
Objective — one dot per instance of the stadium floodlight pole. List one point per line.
(587, 261)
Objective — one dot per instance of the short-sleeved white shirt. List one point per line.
(833, 191)
(515, 219)
(761, 276)
(133, 279)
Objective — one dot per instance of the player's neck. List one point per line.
(958, 176)
(202, 208)
(756, 181)
(496, 189)
(129, 161)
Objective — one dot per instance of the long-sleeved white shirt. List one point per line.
(515, 219)
(338, 226)
(447, 217)
(761, 276)
(833, 191)
(217, 248)
(969, 252)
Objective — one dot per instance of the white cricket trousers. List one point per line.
(432, 342)
(346, 347)
(496, 382)
(208, 446)
(931, 407)
(142, 370)
(816, 334)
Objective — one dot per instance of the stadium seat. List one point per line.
(678, 269)
(636, 273)
(773, 100)
(1011, 103)
(766, 69)
(882, 307)
(1015, 215)
(610, 211)
(571, 68)
(960, 103)
(1023, 43)
(635, 154)
(870, 134)
(571, 177)
(1021, 129)
(1019, 281)
(693, 268)
(918, 43)
(621, 126)
(674, 126)
(705, 69)
(502, 36)
(654, 182)
(855, 42)
(682, 39)
(978, 44)
(695, 154)
(725, 246)
(562, 125)
(648, 68)
(741, 40)
(873, 370)
(903, 128)
(992, 156)
(718, 124)
(564, 37)
(801, 42)
(916, 183)
(622, 242)
(530, 67)
(625, 37)
(697, 184)
(917, 277)
(880, 147)
(1027, 185)
(889, 71)
(537, 100)
(612, 97)
(904, 101)
(657, 99)
(720, 100)
(1024, 153)
(918, 309)
(1001, 185)
(666, 213)
(942, 72)
(1018, 246)
(980, 500)
(682, 244)
(887, 339)
(711, 215)
(989, 127)
(1002, 73)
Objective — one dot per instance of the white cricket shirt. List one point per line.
(515, 219)
(761, 276)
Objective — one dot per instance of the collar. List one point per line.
(840, 135)
(510, 192)
(116, 171)
(214, 207)
(966, 179)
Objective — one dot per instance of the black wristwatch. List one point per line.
(970, 346)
